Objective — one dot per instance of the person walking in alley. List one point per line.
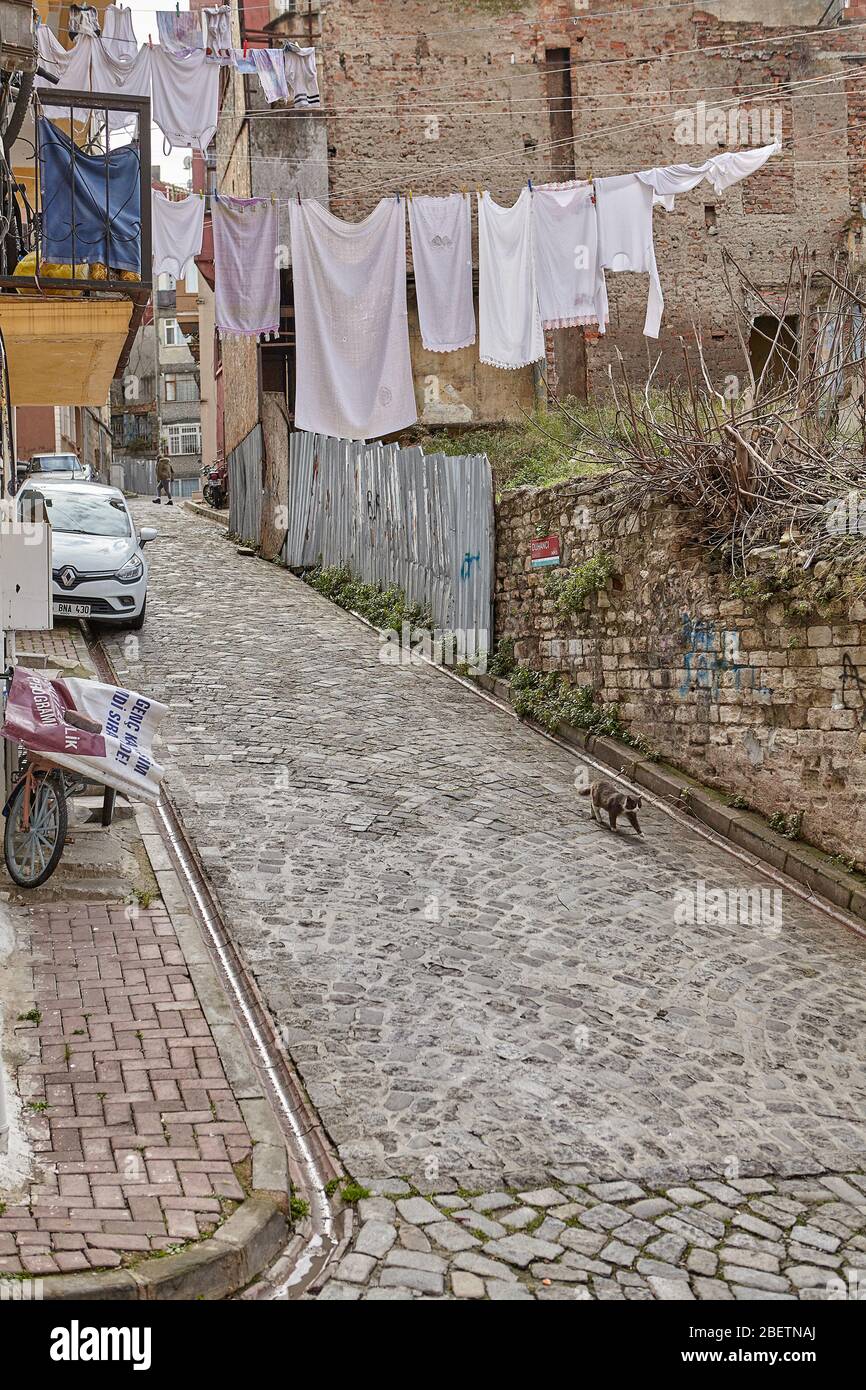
(164, 475)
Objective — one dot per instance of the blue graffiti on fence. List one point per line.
(468, 562)
(712, 653)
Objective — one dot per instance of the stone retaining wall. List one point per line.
(739, 694)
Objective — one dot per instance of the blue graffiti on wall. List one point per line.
(712, 653)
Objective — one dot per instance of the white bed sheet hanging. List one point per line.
(354, 370)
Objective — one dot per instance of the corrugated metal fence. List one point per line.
(138, 476)
(397, 516)
(245, 488)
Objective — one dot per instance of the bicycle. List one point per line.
(37, 820)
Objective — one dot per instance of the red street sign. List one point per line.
(544, 552)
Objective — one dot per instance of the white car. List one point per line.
(97, 556)
(59, 468)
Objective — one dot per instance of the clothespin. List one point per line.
(398, 197)
(177, 8)
(409, 195)
(529, 184)
(150, 41)
(299, 197)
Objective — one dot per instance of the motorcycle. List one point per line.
(215, 489)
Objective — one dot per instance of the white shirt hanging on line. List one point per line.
(177, 230)
(354, 371)
(442, 258)
(625, 236)
(509, 323)
(302, 76)
(570, 280)
(272, 73)
(70, 65)
(721, 170)
(185, 97)
(128, 77)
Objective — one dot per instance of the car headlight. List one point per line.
(131, 571)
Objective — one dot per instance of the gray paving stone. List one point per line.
(747, 1293)
(585, 1242)
(413, 1238)
(750, 1259)
(650, 1207)
(500, 1292)
(337, 1292)
(755, 1278)
(540, 1197)
(668, 1247)
(671, 1290)
(376, 1239)
(616, 1191)
(722, 1191)
(415, 1259)
(822, 1240)
(479, 1264)
(846, 1191)
(517, 1220)
(564, 1274)
(355, 1269)
(418, 1211)
(808, 1276)
(521, 1250)
(377, 1209)
(686, 1196)
(466, 1285)
(712, 1290)
(603, 1218)
(616, 1253)
(492, 1201)
(808, 1254)
(395, 1187)
(660, 1269)
(550, 1229)
(450, 1236)
(702, 1262)
(450, 1201)
(567, 1210)
(475, 1221)
(421, 1279)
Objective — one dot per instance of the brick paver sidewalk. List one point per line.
(136, 1132)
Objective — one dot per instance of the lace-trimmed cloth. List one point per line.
(510, 334)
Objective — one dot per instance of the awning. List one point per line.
(63, 352)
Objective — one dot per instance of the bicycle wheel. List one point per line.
(32, 854)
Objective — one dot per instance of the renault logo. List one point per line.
(67, 578)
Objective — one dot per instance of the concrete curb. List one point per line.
(252, 1237)
(209, 514)
(804, 864)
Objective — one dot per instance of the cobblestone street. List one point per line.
(474, 980)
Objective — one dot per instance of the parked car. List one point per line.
(61, 468)
(97, 556)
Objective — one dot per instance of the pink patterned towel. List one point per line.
(246, 253)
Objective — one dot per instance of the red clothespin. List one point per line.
(299, 197)
(150, 41)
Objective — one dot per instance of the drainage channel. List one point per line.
(308, 1254)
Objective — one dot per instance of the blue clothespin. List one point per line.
(529, 182)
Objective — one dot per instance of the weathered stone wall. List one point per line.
(735, 693)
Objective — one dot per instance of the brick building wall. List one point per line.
(737, 694)
(470, 93)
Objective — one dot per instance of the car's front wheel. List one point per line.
(137, 623)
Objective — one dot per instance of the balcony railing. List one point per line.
(74, 173)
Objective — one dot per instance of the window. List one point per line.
(191, 279)
(184, 439)
(180, 388)
(172, 334)
(166, 281)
